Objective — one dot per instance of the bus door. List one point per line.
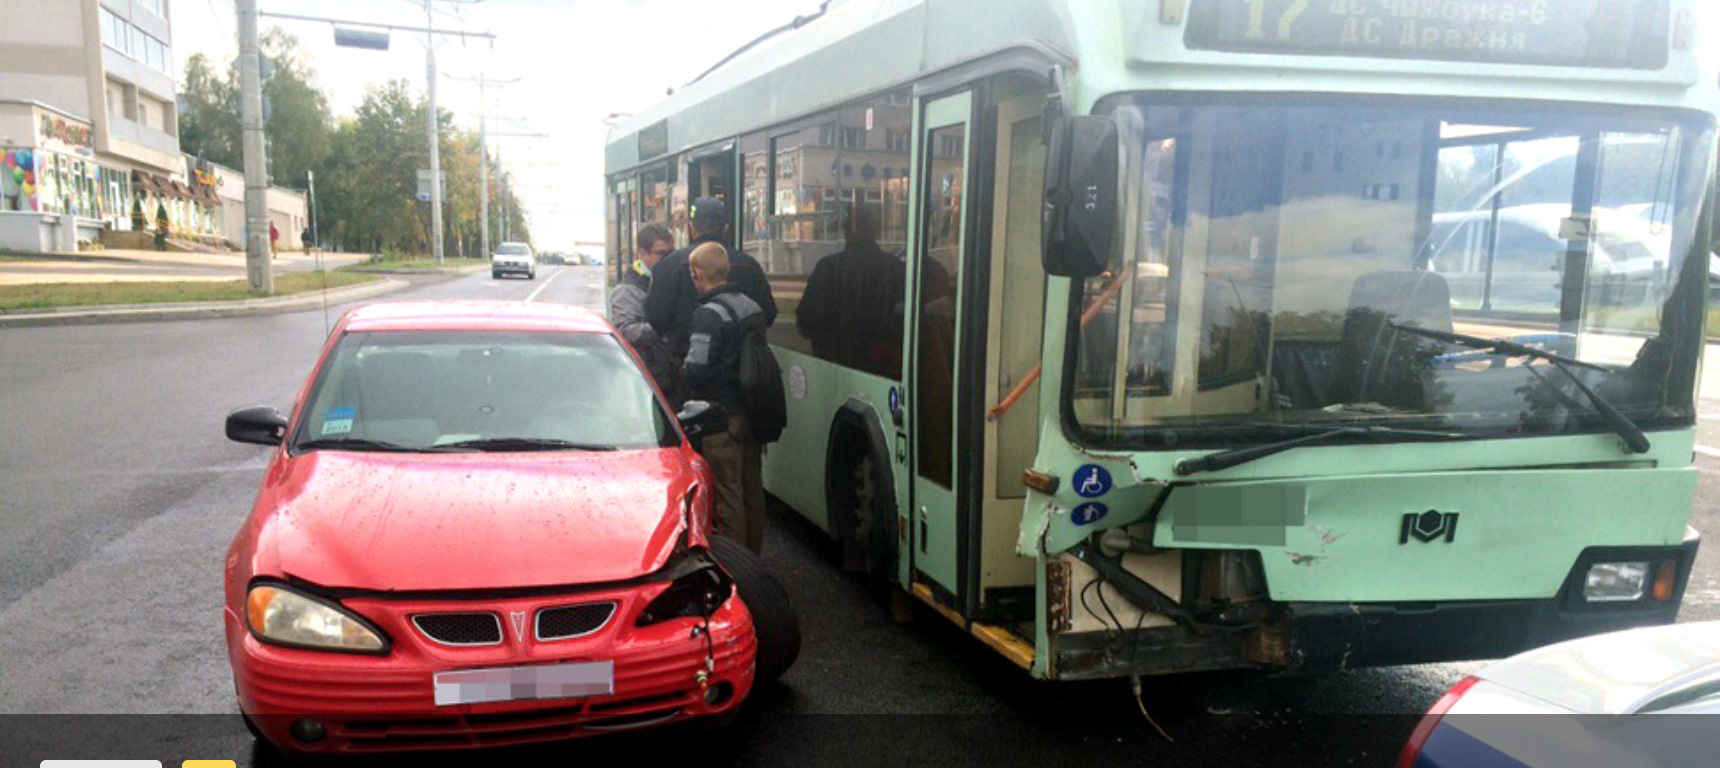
(938, 372)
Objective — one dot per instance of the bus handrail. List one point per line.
(1003, 406)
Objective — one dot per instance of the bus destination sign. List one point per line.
(1630, 34)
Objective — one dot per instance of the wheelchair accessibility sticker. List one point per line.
(1092, 481)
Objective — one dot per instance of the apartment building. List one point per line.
(89, 123)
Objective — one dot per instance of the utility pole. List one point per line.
(259, 273)
(434, 133)
(311, 185)
(484, 84)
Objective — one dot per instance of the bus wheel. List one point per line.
(874, 527)
(775, 620)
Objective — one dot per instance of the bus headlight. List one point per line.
(1615, 582)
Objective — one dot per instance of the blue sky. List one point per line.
(577, 61)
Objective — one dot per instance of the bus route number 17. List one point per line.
(1286, 23)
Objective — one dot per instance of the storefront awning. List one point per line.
(146, 182)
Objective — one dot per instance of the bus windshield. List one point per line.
(1279, 257)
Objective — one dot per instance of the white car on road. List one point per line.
(514, 258)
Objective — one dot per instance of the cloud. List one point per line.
(577, 61)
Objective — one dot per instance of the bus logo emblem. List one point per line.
(1427, 527)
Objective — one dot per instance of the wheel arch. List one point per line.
(857, 432)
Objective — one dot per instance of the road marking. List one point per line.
(558, 273)
(1712, 453)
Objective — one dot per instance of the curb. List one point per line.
(208, 310)
(422, 271)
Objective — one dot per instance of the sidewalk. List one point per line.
(91, 315)
(141, 266)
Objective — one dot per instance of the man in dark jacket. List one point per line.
(852, 308)
(724, 316)
(627, 310)
(669, 305)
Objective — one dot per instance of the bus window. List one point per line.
(1287, 284)
(654, 196)
(851, 311)
(939, 279)
(826, 210)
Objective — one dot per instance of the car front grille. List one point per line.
(568, 621)
(460, 628)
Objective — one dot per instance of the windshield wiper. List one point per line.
(509, 444)
(1235, 457)
(352, 444)
(1627, 430)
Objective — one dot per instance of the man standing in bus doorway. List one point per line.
(627, 310)
(724, 316)
(670, 302)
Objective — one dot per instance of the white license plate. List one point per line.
(547, 681)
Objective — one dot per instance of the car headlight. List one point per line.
(1615, 582)
(282, 616)
(699, 591)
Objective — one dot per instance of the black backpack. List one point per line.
(762, 395)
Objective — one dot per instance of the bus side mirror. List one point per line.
(1082, 194)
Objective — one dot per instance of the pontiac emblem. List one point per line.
(519, 620)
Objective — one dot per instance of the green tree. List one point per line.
(209, 121)
(299, 129)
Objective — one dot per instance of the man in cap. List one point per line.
(670, 302)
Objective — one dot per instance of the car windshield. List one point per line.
(428, 390)
(514, 249)
(1276, 252)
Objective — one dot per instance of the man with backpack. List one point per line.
(670, 302)
(728, 363)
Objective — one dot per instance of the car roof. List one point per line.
(474, 316)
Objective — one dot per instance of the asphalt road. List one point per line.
(119, 496)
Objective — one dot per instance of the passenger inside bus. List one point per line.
(852, 308)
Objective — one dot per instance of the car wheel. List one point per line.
(494, 275)
(775, 620)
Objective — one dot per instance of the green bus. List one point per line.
(1150, 336)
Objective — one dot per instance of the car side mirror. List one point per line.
(259, 425)
(699, 418)
(1082, 196)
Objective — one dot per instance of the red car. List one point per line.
(483, 527)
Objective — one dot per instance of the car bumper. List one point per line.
(1318, 637)
(386, 703)
(517, 269)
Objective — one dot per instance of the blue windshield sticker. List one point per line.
(1089, 513)
(338, 421)
(1092, 481)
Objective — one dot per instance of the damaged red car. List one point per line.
(482, 526)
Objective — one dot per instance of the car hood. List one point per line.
(1614, 673)
(434, 522)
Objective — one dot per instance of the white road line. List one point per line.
(1712, 453)
(540, 289)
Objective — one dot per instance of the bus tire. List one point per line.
(860, 494)
(775, 620)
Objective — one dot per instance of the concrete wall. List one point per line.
(44, 55)
(27, 231)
